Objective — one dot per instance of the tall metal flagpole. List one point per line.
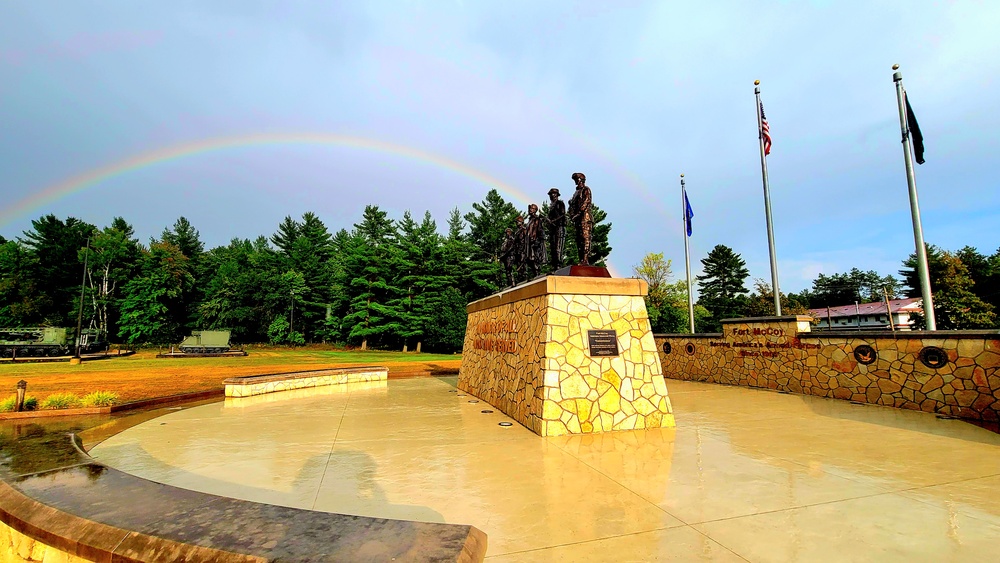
(911, 181)
(767, 204)
(687, 255)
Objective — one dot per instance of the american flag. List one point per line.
(765, 131)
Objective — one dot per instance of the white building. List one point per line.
(870, 316)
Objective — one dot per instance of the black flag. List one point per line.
(911, 124)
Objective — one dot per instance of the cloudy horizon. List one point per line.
(236, 114)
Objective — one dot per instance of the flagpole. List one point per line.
(687, 254)
(767, 204)
(918, 231)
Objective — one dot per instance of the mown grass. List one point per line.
(143, 376)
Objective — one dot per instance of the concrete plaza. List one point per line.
(746, 474)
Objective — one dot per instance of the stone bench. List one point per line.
(58, 504)
(250, 385)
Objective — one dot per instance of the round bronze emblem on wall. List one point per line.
(933, 357)
(689, 348)
(666, 347)
(865, 354)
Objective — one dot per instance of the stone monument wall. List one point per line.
(529, 352)
(956, 373)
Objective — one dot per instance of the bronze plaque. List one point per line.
(865, 354)
(603, 342)
(933, 357)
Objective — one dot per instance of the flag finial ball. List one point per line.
(756, 82)
(682, 175)
(895, 67)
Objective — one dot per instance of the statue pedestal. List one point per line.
(567, 355)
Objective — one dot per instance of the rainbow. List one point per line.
(184, 150)
(176, 152)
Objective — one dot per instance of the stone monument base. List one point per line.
(567, 355)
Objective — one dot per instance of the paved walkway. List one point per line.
(746, 475)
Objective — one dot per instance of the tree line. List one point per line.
(965, 286)
(385, 283)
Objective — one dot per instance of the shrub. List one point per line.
(61, 401)
(7, 405)
(99, 399)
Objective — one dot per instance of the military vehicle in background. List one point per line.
(47, 341)
(206, 342)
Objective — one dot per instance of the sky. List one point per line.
(236, 114)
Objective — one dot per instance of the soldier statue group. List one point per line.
(523, 251)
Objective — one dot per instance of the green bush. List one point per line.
(7, 405)
(99, 399)
(61, 401)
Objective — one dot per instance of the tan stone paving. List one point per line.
(746, 474)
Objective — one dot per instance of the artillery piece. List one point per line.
(46, 341)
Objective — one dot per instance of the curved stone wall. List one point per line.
(956, 373)
(59, 505)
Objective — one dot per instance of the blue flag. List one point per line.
(688, 213)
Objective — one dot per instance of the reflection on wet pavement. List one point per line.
(747, 474)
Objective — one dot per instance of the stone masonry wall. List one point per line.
(527, 353)
(15, 547)
(956, 373)
(510, 380)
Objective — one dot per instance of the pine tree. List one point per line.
(419, 253)
(186, 238)
(311, 255)
(462, 262)
(843, 289)
(600, 248)
(18, 304)
(288, 232)
(721, 287)
(55, 267)
(487, 223)
(370, 263)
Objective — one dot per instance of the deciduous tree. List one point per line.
(956, 306)
(150, 298)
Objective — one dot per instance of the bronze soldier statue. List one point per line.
(508, 256)
(518, 245)
(557, 229)
(583, 220)
(534, 243)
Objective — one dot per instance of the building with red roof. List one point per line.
(868, 316)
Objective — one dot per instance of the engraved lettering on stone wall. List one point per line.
(489, 336)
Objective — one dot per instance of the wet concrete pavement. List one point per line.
(746, 475)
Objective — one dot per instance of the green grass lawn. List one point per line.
(142, 375)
